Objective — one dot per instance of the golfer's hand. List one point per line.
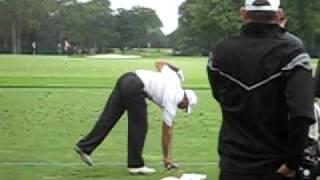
(285, 171)
(170, 165)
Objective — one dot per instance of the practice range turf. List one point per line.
(49, 102)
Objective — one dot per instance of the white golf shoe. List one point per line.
(83, 156)
(141, 170)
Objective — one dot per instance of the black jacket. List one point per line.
(263, 82)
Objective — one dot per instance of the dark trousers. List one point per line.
(129, 95)
(224, 175)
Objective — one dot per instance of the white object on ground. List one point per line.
(114, 56)
(193, 177)
(170, 178)
(142, 170)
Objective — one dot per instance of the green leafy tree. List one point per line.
(156, 39)
(137, 26)
(88, 24)
(304, 20)
(101, 27)
(19, 16)
(204, 22)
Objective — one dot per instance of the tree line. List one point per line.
(94, 26)
(50, 25)
(203, 23)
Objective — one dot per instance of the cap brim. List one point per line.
(262, 8)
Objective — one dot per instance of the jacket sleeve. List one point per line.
(213, 76)
(299, 98)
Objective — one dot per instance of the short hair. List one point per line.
(262, 16)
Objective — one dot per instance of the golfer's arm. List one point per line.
(160, 64)
(166, 140)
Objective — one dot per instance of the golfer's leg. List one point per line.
(137, 129)
(111, 114)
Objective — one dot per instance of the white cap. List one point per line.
(262, 5)
(192, 99)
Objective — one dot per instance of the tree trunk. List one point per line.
(6, 43)
(18, 39)
(14, 36)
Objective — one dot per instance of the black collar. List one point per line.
(262, 29)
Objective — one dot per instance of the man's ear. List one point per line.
(280, 15)
(243, 14)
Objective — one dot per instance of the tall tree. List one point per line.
(89, 24)
(19, 16)
(100, 25)
(135, 26)
(49, 21)
(304, 20)
(204, 22)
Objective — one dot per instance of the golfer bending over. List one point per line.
(164, 89)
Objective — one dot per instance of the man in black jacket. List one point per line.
(263, 83)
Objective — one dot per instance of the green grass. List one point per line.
(55, 71)
(49, 102)
(41, 118)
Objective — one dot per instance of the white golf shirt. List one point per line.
(164, 89)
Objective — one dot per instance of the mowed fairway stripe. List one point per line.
(47, 164)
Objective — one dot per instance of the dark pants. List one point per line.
(129, 95)
(236, 176)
